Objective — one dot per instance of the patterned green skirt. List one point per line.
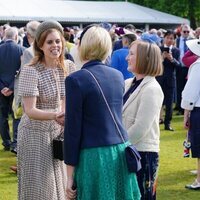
(102, 175)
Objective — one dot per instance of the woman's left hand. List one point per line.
(70, 191)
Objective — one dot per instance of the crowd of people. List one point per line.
(101, 88)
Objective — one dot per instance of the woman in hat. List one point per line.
(94, 150)
(41, 85)
(191, 103)
(142, 103)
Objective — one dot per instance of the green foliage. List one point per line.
(186, 8)
(174, 170)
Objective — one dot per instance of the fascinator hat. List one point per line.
(47, 25)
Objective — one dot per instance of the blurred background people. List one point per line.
(10, 53)
(197, 33)
(181, 72)
(3, 29)
(120, 31)
(118, 58)
(67, 36)
(74, 51)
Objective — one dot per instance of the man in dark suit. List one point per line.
(167, 81)
(10, 54)
(181, 72)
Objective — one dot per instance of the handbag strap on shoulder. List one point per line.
(109, 109)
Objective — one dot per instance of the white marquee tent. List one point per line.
(81, 12)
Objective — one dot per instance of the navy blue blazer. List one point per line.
(169, 69)
(10, 54)
(88, 122)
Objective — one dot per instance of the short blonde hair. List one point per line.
(149, 59)
(95, 44)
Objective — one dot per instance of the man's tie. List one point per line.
(184, 45)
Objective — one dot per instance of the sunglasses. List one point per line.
(186, 31)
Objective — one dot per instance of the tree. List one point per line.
(186, 8)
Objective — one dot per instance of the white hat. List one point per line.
(194, 46)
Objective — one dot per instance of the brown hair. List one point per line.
(149, 59)
(39, 55)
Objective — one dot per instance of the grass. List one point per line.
(174, 172)
(8, 179)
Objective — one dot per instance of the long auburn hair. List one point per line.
(38, 53)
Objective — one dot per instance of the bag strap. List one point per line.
(58, 90)
(59, 101)
(119, 132)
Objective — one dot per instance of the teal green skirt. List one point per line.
(102, 174)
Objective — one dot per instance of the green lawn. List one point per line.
(173, 173)
(8, 179)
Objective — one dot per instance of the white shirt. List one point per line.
(191, 92)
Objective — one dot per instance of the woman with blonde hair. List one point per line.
(41, 86)
(94, 151)
(142, 103)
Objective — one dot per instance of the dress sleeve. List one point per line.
(28, 82)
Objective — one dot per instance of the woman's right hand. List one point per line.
(60, 118)
(71, 194)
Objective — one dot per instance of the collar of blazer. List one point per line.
(128, 82)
